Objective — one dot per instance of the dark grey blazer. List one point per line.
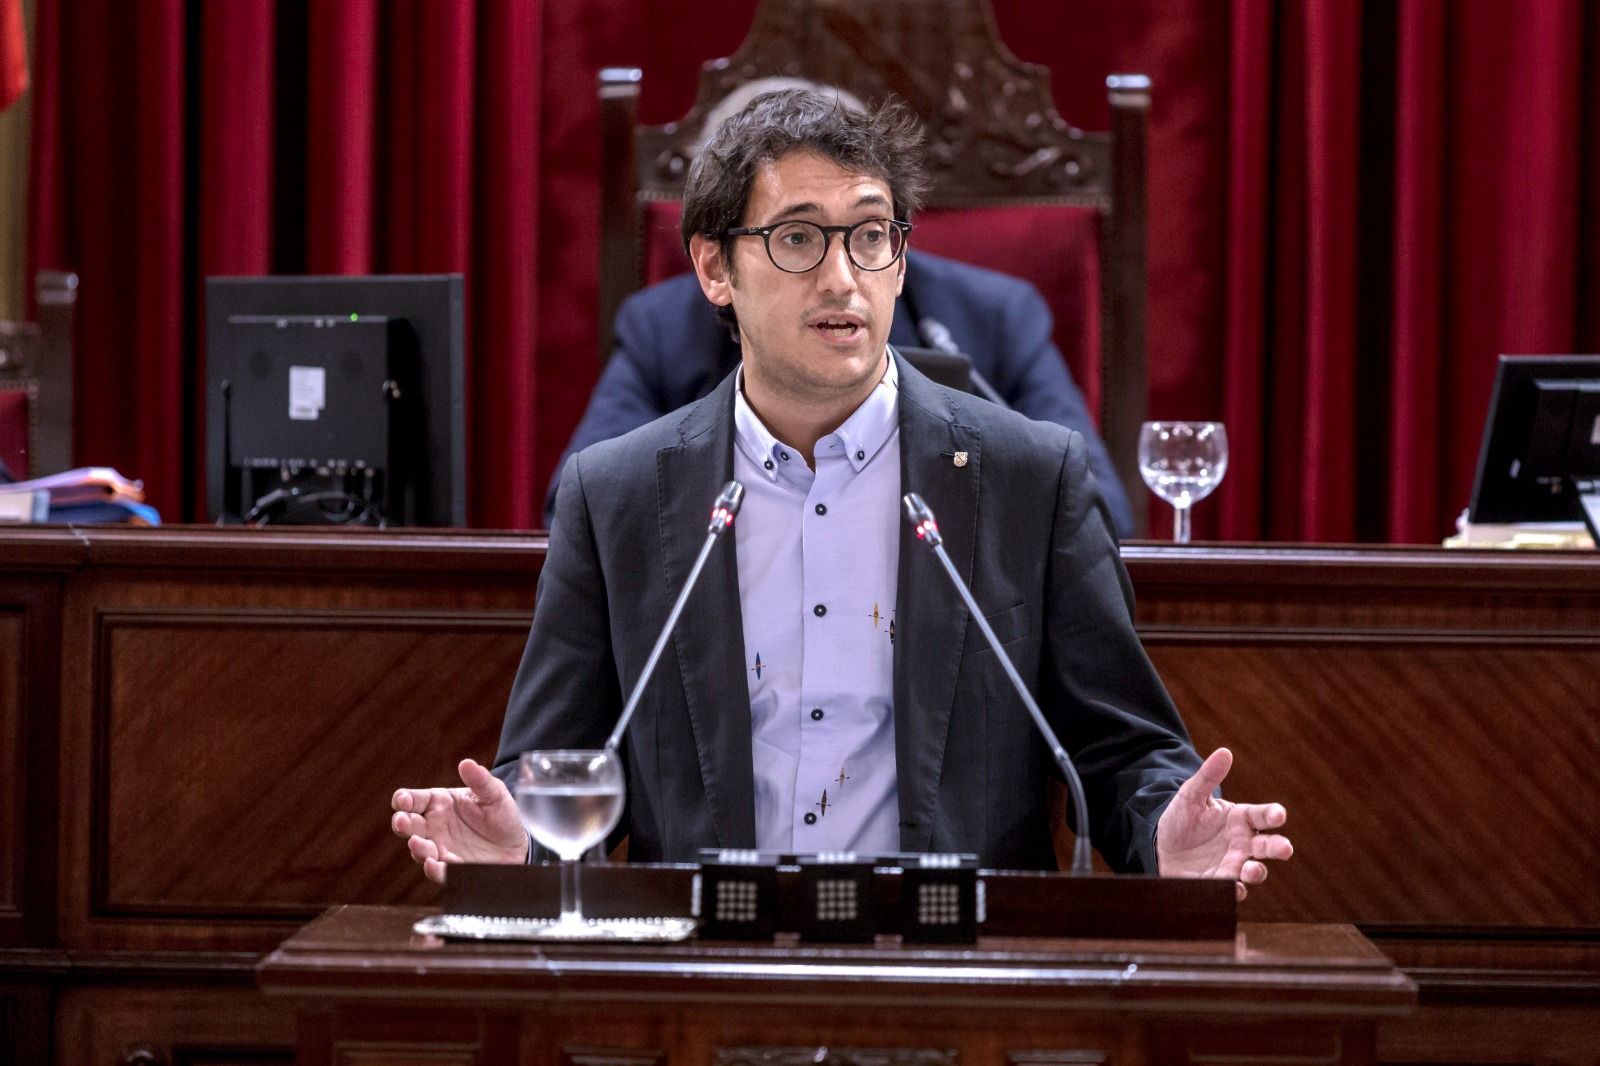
(1021, 521)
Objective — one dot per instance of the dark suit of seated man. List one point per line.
(671, 350)
(825, 690)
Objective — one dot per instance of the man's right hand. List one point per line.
(478, 823)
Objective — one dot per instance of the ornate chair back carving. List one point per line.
(1059, 206)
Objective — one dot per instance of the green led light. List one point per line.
(353, 316)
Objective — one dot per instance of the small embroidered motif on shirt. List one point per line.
(876, 615)
(823, 805)
(758, 667)
(842, 778)
(891, 631)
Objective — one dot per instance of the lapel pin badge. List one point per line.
(960, 459)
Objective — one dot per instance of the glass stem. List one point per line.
(1180, 524)
(571, 904)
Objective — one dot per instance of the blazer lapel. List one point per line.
(932, 620)
(709, 637)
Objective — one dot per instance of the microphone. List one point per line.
(936, 335)
(722, 515)
(927, 529)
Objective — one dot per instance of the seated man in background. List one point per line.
(828, 650)
(671, 349)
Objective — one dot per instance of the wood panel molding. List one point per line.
(264, 788)
(825, 1055)
(601, 1056)
(30, 646)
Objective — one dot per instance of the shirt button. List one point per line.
(819, 610)
(816, 714)
(811, 819)
(822, 508)
(784, 456)
(860, 455)
(767, 464)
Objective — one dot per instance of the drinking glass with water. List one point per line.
(569, 800)
(1182, 462)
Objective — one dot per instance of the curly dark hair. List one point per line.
(885, 142)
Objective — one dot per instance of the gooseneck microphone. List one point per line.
(936, 335)
(921, 518)
(722, 515)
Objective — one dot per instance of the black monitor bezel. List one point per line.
(434, 304)
(1496, 498)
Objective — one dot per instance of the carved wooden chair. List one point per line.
(36, 382)
(1014, 187)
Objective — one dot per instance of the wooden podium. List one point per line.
(367, 990)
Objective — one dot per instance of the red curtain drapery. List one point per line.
(13, 53)
(1355, 206)
(176, 139)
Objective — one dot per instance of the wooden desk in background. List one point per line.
(200, 730)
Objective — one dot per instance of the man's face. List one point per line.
(816, 337)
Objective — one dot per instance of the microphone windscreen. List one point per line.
(920, 515)
(936, 335)
(728, 503)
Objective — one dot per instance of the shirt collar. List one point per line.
(859, 437)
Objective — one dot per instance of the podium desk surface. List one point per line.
(361, 952)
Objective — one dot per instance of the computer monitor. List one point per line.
(1540, 460)
(336, 400)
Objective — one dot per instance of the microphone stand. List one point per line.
(722, 515)
(927, 529)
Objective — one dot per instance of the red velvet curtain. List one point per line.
(1355, 206)
(176, 139)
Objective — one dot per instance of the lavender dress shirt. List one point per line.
(818, 554)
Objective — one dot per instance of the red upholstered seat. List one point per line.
(15, 408)
(1056, 247)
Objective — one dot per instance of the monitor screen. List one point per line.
(336, 399)
(1541, 442)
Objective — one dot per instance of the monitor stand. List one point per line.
(1589, 503)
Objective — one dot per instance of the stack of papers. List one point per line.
(1541, 535)
(89, 495)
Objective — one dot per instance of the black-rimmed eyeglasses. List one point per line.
(796, 247)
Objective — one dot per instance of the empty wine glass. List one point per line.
(1182, 462)
(570, 800)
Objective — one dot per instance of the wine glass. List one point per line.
(1182, 462)
(570, 800)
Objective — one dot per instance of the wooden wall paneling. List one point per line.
(1429, 716)
(25, 1023)
(1527, 1034)
(1431, 719)
(274, 805)
(234, 726)
(172, 1025)
(1462, 768)
(29, 687)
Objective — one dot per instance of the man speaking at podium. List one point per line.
(825, 689)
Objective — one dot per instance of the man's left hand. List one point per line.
(1200, 835)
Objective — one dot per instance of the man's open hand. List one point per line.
(478, 823)
(1200, 835)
